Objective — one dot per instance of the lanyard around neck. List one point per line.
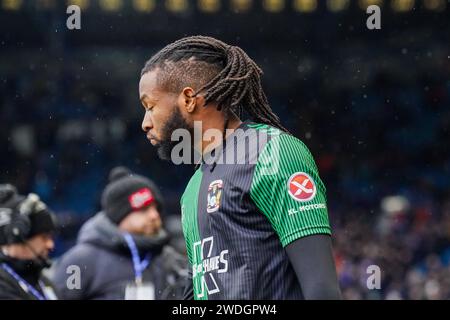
(23, 283)
(138, 265)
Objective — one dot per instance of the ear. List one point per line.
(189, 101)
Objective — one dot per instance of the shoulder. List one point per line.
(274, 143)
(84, 256)
(194, 182)
(286, 160)
(284, 152)
(81, 252)
(285, 146)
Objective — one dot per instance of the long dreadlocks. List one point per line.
(225, 75)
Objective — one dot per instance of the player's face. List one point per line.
(162, 114)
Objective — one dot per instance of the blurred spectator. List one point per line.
(122, 252)
(26, 227)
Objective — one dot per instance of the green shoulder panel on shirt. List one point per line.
(191, 232)
(286, 187)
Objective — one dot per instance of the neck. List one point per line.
(221, 124)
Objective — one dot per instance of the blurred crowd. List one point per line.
(409, 245)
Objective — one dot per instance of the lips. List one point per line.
(151, 139)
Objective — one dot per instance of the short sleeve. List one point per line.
(286, 188)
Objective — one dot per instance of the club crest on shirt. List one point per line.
(214, 195)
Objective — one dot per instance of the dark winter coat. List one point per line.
(28, 270)
(106, 266)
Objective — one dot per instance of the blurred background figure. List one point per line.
(26, 227)
(123, 252)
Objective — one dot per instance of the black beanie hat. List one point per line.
(41, 219)
(128, 192)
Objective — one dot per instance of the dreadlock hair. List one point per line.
(225, 75)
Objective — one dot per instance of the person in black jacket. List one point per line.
(122, 252)
(26, 227)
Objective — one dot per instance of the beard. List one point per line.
(165, 144)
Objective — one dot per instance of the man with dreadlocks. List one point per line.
(254, 229)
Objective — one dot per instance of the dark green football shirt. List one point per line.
(243, 206)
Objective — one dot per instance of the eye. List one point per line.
(148, 108)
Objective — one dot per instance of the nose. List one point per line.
(50, 244)
(147, 122)
(153, 213)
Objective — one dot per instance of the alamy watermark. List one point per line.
(241, 146)
(73, 22)
(374, 20)
(73, 281)
(374, 279)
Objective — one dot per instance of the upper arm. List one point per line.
(312, 260)
(286, 188)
